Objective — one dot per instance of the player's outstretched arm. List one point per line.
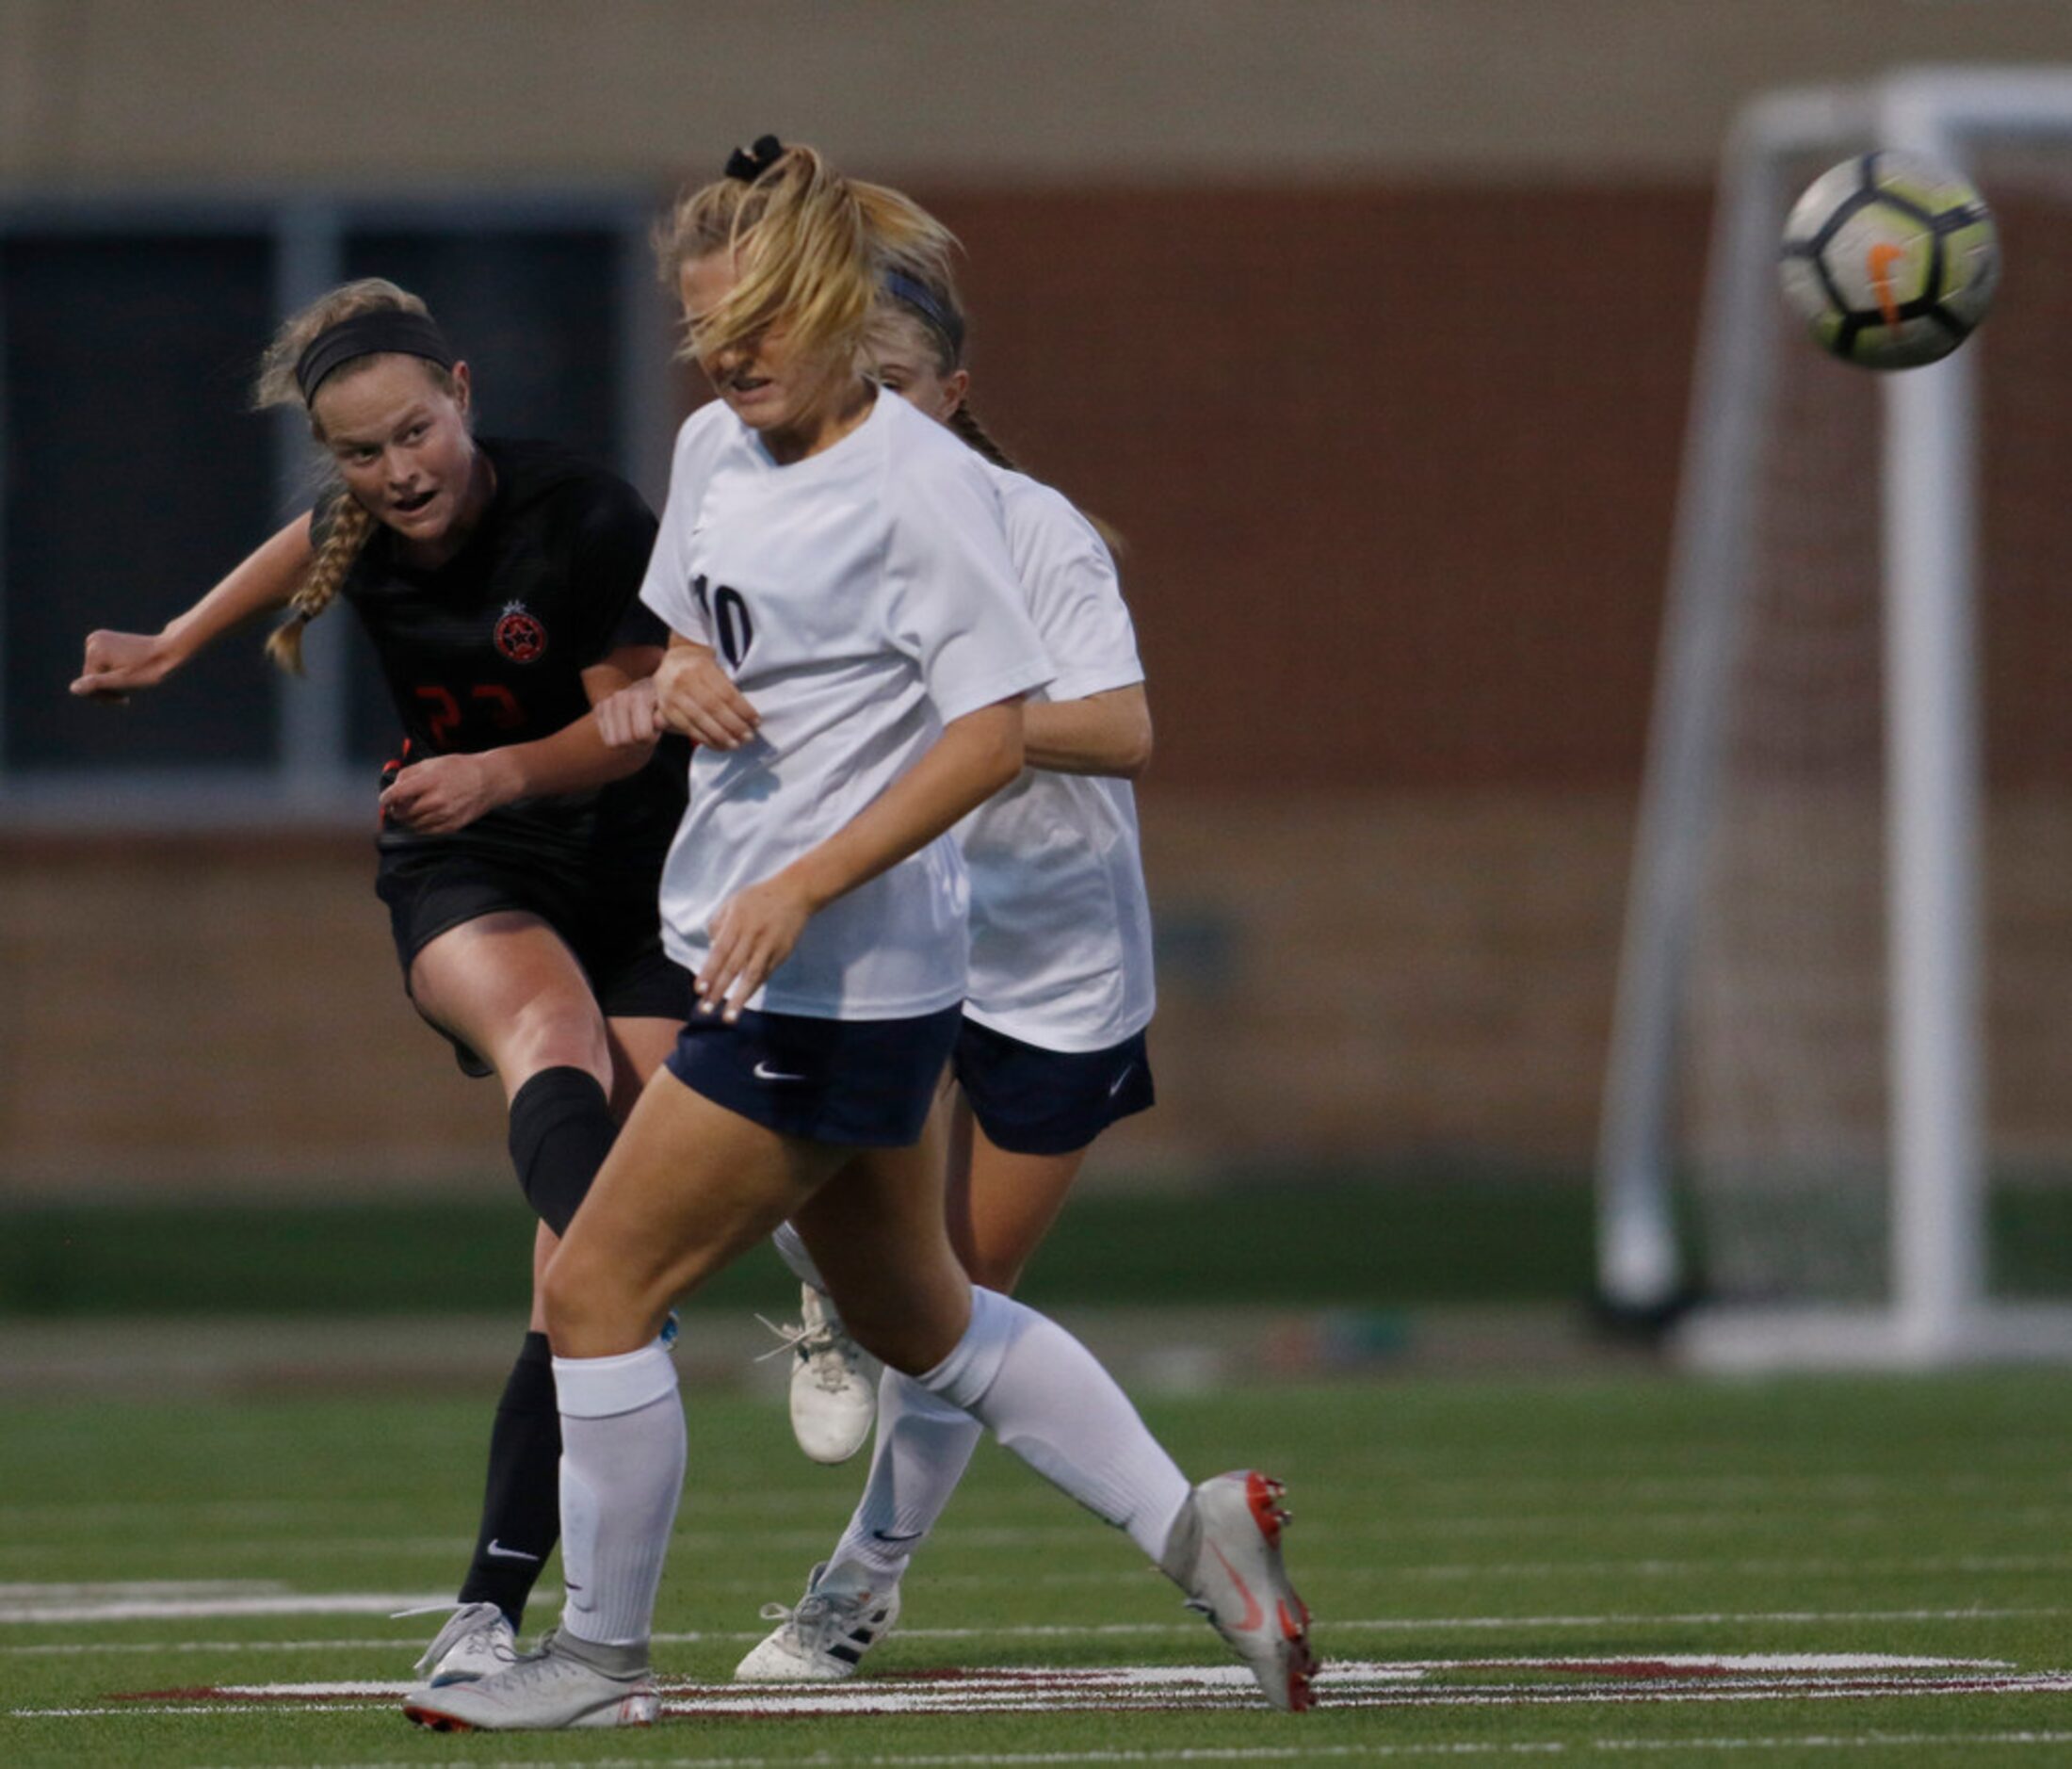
(1104, 733)
(754, 930)
(444, 793)
(117, 664)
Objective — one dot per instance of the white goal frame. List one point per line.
(1937, 1313)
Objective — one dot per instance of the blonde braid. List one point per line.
(351, 526)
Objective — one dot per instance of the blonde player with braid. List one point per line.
(518, 852)
(843, 557)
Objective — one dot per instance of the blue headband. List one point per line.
(931, 306)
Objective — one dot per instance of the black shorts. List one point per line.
(610, 922)
(1033, 1101)
(854, 1083)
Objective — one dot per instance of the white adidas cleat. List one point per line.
(474, 1642)
(824, 1639)
(1225, 1554)
(565, 1683)
(834, 1381)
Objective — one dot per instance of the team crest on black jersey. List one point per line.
(520, 636)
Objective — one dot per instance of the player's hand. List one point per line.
(751, 935)
(629, 719)
(442, 793)
(117, 664)
(695, 696)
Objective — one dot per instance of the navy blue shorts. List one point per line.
(854, 1083)
(1032, 1101)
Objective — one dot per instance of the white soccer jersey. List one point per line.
(862, 599)
(1061, 928)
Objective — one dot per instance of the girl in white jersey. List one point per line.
(842, 555)
(1052, 1049)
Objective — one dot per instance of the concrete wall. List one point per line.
(1103, 91)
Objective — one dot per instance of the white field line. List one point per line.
(352, 1604)
(1641, 1566)
(139, 1587)
(1941, 1565)
(1619, 1681)
(1620, 1513)
(1393, 1533)
(1121, 1691)
(1231, 1675)
(1760, 1487)
(1579, 1750)
(1623, 1487)
(276, 1603)
(22, 1602)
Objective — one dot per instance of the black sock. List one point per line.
(522, 1502)
(561, 1129)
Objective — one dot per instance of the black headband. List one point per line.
(388, 330)
(931, 306)
(750, 163)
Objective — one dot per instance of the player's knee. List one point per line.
(994, 1268)
(583, 1307)
(557, 1029)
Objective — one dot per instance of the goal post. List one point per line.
(1904, 815)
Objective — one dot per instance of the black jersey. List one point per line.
(489, 649)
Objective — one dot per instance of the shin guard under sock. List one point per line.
(561, 1129)
(1046, 1398)
(621, 1474)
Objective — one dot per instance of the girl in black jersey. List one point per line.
(518, 852)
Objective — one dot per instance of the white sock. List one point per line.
(621, 1473)
(791, 1249)
(924, 1445)
(1047, 1399)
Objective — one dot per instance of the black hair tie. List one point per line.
(750, 163)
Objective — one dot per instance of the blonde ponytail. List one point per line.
(801, 248)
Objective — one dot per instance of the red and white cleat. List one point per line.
(1225, 1554)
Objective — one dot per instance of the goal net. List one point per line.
(1844, 1045)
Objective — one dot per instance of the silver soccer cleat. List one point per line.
(474, 1642)
(565, 1683)
(1225, 1554)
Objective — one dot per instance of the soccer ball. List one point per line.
(1891, 259)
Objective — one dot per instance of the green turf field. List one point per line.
(1634, 1571)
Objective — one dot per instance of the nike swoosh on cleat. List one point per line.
(1254, 1614)
(496, 1551)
